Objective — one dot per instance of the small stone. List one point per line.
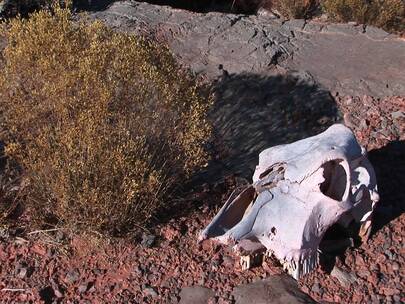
(374, 299)
(395, 266)
(147, 240)
(57, 292)
(4, 233)
(343, 277)
(363, 124)
(396, 298)
(150, 292)
(60, 236)
(195, 295)
(363, 273)
(275, 289)
(22, 273)
(228, 261)
(389, 254)
(349, 120)
(381, 258)
(169, 233)
(174, 299)
(92, 288)
(82, 288)
(389, 291)
(72, 276)
(316, 288)
(398, 114)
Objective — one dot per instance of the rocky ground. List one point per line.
(167, 265)
(270, 95)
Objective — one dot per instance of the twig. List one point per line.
(13, 289)
(18, 238)
(41, 231)
(233, 3)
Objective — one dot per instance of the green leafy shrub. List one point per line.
(387, 14)
(103, 124)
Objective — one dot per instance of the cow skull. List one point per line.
(299, 190)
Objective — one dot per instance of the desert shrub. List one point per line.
(103, 124)
(387, 14)
(14, 7)
(10, 188)
(293, 8)
(286, 8)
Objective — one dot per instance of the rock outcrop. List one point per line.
(343, 58)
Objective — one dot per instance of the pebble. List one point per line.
(72, 276)
(147, 240)
(82, 288)
(396, 298)
(316, 288)
(57, 292)
(398, 114)
(395, 266)
(23, 272)
(150, 292)
(343, 277)
(363, 273)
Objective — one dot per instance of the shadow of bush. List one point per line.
(254, 112)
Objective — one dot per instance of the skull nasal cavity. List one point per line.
(335, 182)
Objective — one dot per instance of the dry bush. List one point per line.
(294, 8)
(9, 189)
(13, 7)
(286, 8)
(103, 124)
(387, 14)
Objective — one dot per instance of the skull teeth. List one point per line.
(249, 261)
(296, 269)
(301, 268)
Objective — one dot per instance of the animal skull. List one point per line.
(299, 190)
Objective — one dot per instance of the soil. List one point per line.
(62, 267)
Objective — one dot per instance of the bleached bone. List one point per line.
(299, 190)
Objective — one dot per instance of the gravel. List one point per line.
(88, 268)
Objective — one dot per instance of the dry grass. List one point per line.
(103, 124)
(295, 8)
(386, 14)
(287, 8)
(23, 7)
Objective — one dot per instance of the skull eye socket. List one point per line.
(335, 183)
(276, 168)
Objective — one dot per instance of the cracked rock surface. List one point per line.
(344, 58)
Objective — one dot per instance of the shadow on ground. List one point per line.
(251, 113)
(389, 165)
(201, 6)
(254, 112)
(93, 5)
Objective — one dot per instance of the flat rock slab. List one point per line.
(352, 61)
(349, 59)
(195, 295)
(278, 289)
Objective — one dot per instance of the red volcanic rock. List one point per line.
(82, 269)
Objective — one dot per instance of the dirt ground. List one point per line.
(61, 267)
